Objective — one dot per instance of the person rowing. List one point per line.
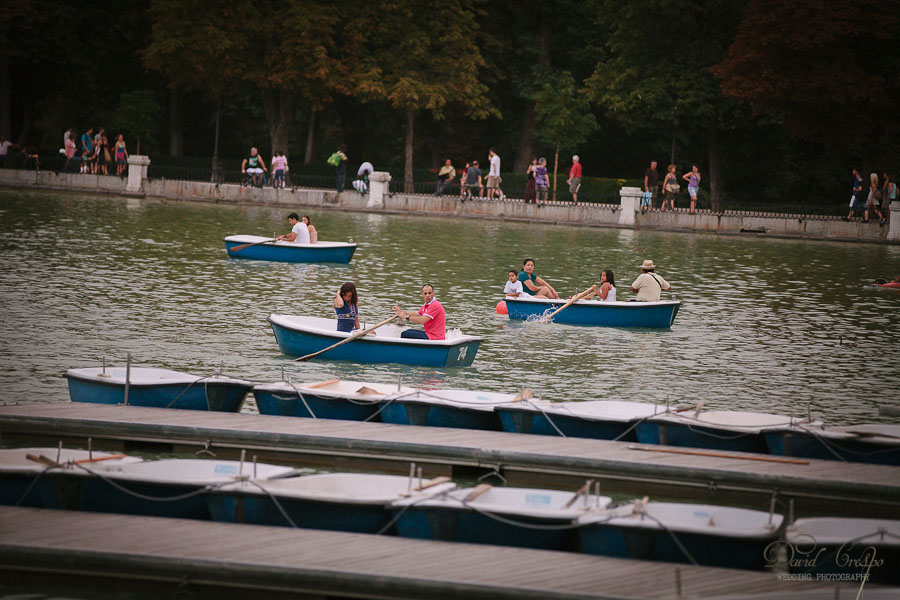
(534, 285)
(431, 315)
(607, 290)
(299, 231)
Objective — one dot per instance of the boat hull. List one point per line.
(305, 513)
(403, 412)
(99, 496)
(693, 435)
(286, 404)
(516, 420)
(373, 349)
(656, 315)
(807, 445)
(327, 252)
(212, 396)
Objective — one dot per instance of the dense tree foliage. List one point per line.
(774, 101)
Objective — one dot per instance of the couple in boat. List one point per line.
(431, 315)
(526, 284)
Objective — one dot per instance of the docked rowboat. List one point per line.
(657, 315)
(170, 487)
(844, 547)
(507, 516)
(261, 249)
(465, 409)
(162, 388)
(867, 443)
(731, 430)
(332, 399)
(48, 477)
(710, 535)
(299, 336)
(598, 419)
(354, 502)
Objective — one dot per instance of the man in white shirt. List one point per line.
(4, 148)
(493, 180)
(299, 231)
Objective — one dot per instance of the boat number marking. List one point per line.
(462, 352)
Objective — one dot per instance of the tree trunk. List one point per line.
(408, 185)
(25, 130)
(5, 97)
(279, 116)
(310, 138)
(527, 148)
(215, 159)
(672, 153)
(715, 187)
(176, 137)
(555, 168)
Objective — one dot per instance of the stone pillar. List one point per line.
(379, 182)
(137, 173)
(893, 233)
(631, 204)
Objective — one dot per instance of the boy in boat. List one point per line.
(513, 287)
(299, 231)
(431, 315)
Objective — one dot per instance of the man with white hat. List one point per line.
(648, 285)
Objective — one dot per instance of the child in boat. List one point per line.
(513, 287)
(607, 290)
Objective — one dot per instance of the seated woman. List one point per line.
(313, 234)
(607, 290)
(534, 285)
(346, 305)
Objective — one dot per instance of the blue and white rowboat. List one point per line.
(598, 419)
(712, 535)
(332, 399)
(320, 252)
(522, 517)
(876, 443)
(161, 388)
(355, 502)
(657, 315)
(299, 336)
(464, 409)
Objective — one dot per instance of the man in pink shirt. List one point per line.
(431, 315)
(574, 180)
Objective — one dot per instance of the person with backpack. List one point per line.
(338, 160)
(648, 284)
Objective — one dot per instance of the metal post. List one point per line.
(243, 456)
(127, 376)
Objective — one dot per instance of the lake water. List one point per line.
(91, 277)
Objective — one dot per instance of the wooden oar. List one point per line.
(572, 301)
(775, 459)
(355, 336)
(236, 248)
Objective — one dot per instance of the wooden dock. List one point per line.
(829, 487)
(200, 556)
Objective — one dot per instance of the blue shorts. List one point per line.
(279, 174)
(692, 191)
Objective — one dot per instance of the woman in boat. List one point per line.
(313, 234)
(534, 285)
(346, 305)
(607, 290)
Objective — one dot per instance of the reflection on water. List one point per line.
(85, 278)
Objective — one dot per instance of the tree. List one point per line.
(138, 115)
(657, 75)
(564, 116)
(424, 56)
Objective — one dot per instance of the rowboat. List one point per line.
(281, 251)
(47, 477)
(731, 430)
(657, 315)
(169, 487)
(299, 336)
(867, 443)
(507, 516)
(712, 535)
(354, 502)
(598, 419)
(465, 409)
(162, 388)
(845, 547)
(332, 399)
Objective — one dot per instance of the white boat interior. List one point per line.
(876, 433)
(347, 488)
(465, 399)
(838, 530)
(733, 420)
(194, 471)
(146, 376)
(16, 460)
(704, 519)
(328, 327)
(521, 502)
(595, 410)
(337, 388)
(255, 239)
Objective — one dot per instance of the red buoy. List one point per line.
(501, 308)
